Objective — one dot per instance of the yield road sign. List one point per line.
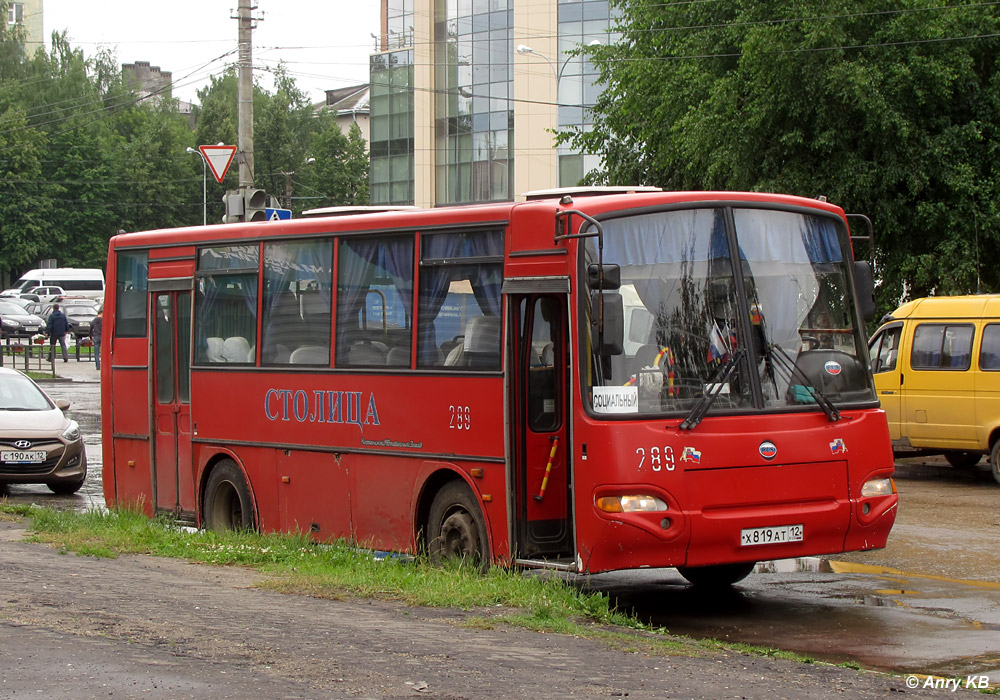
(218, 159)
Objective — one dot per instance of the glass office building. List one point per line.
(451, 92)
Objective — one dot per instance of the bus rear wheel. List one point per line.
(227, 505)
(718, 575)
(456, 531)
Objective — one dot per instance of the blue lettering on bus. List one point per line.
(321, 407)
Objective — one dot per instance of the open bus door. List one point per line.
(538, 388)
(173, 481)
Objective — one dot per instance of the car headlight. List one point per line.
(10, 323)
(631, 504)
(72, 433)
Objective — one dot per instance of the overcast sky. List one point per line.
(325, 44)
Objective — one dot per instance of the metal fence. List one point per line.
(25, 355)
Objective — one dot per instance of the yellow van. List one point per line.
(936, 364)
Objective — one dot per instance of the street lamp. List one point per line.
(524, 50)
(204, 185)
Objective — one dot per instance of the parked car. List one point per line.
(44, 294)
(18, 322)
(80, 314)
(20, 301)
(38, 444)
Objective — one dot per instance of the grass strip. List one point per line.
(295, 564)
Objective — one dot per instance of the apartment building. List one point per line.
(466, 95)
(29, 15)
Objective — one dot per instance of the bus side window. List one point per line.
(374, 301)
(130, 302)
(459, 302)
(296, 309)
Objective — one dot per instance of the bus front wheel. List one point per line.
(717, 576)
(456, 530)
(227, 504)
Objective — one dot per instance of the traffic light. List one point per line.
(234, 207)
(254, 203)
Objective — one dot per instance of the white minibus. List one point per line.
(76, 282)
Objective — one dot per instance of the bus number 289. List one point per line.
(461, 418)
(659, 458)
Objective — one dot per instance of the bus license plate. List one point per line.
(31, 457)
(770, 535)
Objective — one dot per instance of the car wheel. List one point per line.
(995, 460)
(718, 575)
(456, 531)
(66, 488)
(227, 504)
(963, 460)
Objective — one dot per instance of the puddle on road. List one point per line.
(837, 612)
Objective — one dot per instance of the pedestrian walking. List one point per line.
(56, 327)
(95, 333)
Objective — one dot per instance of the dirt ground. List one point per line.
(136, 626)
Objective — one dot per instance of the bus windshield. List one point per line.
(751, 306)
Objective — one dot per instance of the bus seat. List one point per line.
(645, 357)
(310, 355)
(548, 355)
(455, 356)
(235, 349)
(214, 351)
(482, 342)
(398, 357)
(311, 304)
(364, 352)
(449, 345)
(282, 355)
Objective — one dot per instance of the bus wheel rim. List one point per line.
(459, 536)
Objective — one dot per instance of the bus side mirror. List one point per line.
(612, 340)
(604, 277)
(864, 282)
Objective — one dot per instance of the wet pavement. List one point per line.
(837, 612)
(938, 620)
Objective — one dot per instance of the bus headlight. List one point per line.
(878, 487)
(631, 504)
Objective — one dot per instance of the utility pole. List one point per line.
(245, 99)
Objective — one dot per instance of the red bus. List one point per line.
(588, 383)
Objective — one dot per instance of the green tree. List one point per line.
(339, 177)
(891, 111)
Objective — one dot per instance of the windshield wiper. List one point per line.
(708, 398)
(788, 364)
